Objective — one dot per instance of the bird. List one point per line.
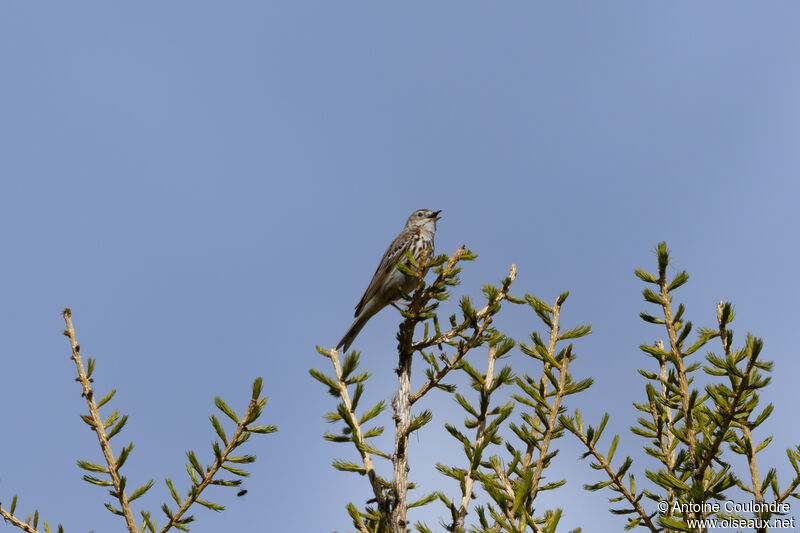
(388, 280)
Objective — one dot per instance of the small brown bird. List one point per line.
(387, 281)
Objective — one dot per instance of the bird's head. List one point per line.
(423, 218)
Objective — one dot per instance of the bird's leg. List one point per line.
(397, 306)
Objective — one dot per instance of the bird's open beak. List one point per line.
(435, 215)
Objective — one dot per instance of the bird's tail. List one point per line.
(351, 334)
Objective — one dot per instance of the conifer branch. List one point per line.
(706, 427)
(669, 322)
(665, 438)
(551, 346)
(9, 517)
(730, 413)
(240, 435)
(98, 425)
(451, 363)
(790, 489)
(400, 467)
(402, 401)
(615, 479)
(524, 473)
(755, 479)
(480, 434)
(552, 426)
(358, 434)
(505, 482)
(482, 315)
(105, 430)
(752, 463)
(555, 312)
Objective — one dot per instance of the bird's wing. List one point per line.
(389, 261)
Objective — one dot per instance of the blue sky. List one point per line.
(209, 187)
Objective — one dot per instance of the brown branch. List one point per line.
(358, 434)
(669, 322)
(443, 337)
(730, 413)
(547, 435)
(755, 479)
(455, 258)
(400, 467)
(551, 349)
(402, 402)
(233, 443)
(551, 427)
(616, 480)
(789, 490)
(462, 351)
(506, 482)
(753, 465)
(24, 526)
(404, 399)
(562, 381)
(665, 439)
(480, 433)
(97, 424)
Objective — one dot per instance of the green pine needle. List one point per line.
(225, 409)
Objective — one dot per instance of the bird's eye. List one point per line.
(419, 213)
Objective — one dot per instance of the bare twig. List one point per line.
(97, 424)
